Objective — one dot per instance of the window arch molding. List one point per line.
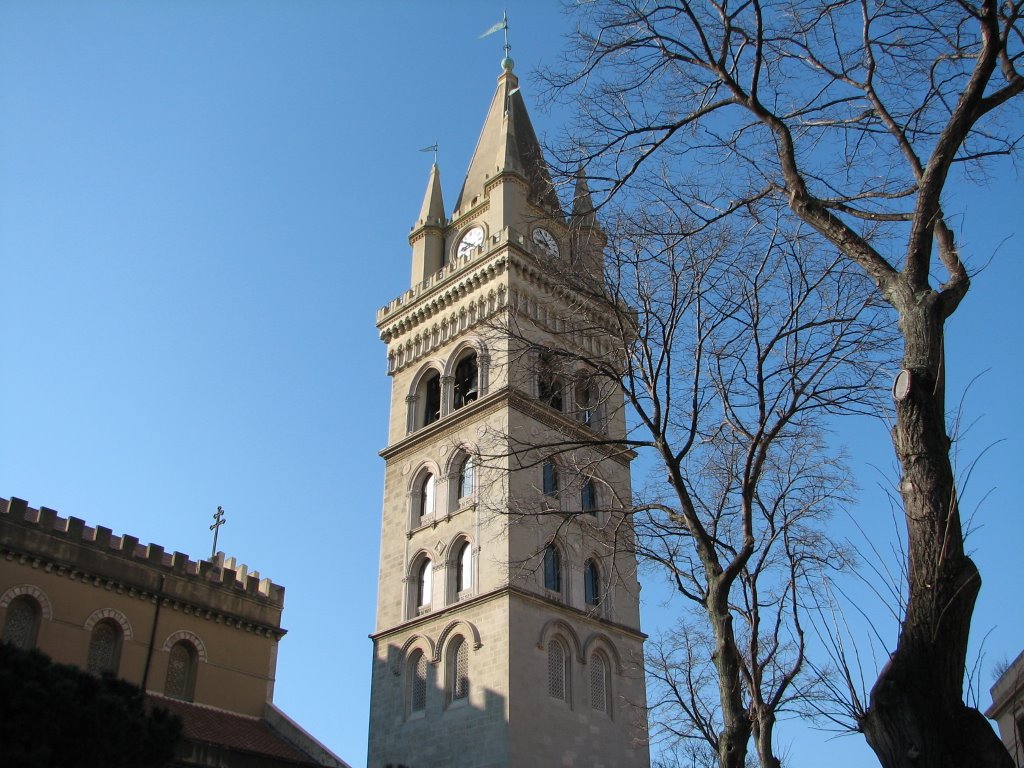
(189, 636)
(421, 509)
(588, 398)
(601, 641)
(594, 588)
(106, 641)
(591, 494)
(469, 345)
(460, 567)
(45, 607)
(416, 397)
(420, 582)
(412, 644)
(562, 629)
(457, 680)
(562, 566)
(463, 467)
(553, 476)
(114, 615)
(449, 629)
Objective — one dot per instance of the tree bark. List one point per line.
(916, 716)
(764, 729)
(735, 735)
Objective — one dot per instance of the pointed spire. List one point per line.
(432, 211)
(582, 203)
(427, 235)
(508, 144)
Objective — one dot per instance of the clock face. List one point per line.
(474, 238)
(546, 242)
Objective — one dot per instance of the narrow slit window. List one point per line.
(552, 568)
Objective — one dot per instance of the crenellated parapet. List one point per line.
(69, 546)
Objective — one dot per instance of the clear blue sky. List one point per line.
(202, 204)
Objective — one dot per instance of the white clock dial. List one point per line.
(545, 241)
(474, 238)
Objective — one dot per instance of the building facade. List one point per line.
(508, 629)
(200, 637)
(1007, 708)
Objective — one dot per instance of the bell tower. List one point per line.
(508, 630)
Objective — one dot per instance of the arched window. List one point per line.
(466, 478)
(549, 382)
(466, 385)
(424, 584)
(551, 479)
(181, 671)
(598, 683)
(591, 583)
(431, 394)
(588, 496)
(463, 568)
(21, 627)
(586, 403)
(423, 501)
(416, 682)
(558, 669)
(552, 568)
(105, 647)
(457, 683)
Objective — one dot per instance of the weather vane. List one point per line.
(218, 516)
(431, 148)
(506, 63)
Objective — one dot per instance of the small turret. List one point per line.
(427, 236)
(589, 240)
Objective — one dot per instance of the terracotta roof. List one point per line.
(238, 732)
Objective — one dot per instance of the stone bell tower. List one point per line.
(508, 630)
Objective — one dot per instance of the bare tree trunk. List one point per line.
(735, 735)
(763, 731)
(916, 716)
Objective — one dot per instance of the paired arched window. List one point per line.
(105, 647)
(424, 498)
(182, 664)
(416, 682)
(551, 481)
(463, 568)
(466, 385)
(558, 670)
(552, 568)
(586, 403)
(588, 496)
(457, 677)
(21, 627)
(430, 392)
(549, 381)
(591, 583)
(424, 584)
(466, 478)
(599, 688)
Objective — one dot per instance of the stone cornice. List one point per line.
(571, 429)
(508, 591)
(142, 592)
(451, 423)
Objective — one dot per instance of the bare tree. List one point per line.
(729, 350)
(854, 113)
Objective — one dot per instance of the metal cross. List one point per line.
(219, 518)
